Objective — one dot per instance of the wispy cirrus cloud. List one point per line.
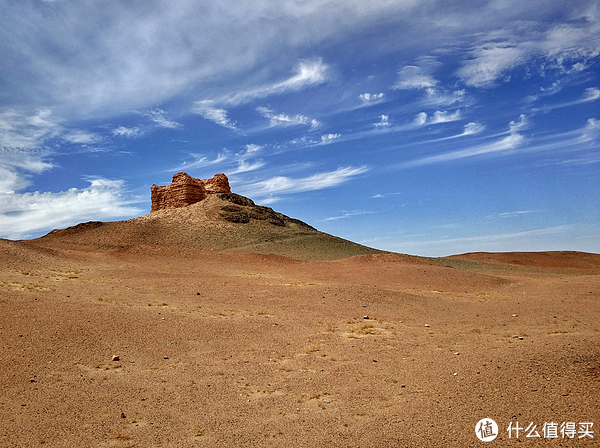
(307, 73)
(21, 130)
(282, 119)
(590, 94)
(438, 117)
(445, 116)
(158, 116)
(472, 128)
(200, 161)
(565, 48)
(347, 215)
(207, 109)
(280, 185)
(329, 138)
(413, 77)
(511, 142)
(384, 121)
(128, 132)
(371, 98)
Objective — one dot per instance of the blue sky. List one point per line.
(423, 127)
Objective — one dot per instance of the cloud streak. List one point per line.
(512, 141)
(23, 215)
(207, 109)
(307, 73)
(286, 185)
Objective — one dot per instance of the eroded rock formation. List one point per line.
(187, 190)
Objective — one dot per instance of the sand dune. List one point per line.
(181, 329)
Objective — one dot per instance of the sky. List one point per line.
(417, 126)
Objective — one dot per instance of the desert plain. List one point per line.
(174, 331)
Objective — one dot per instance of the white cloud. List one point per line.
(18, 130)
(208, 110)
(383, 122)
(252, 148)
(30, 214)
(413, 77)
(244, 166)
(437, 117)
(132, 132)
(328, 138)
(81, 137)
(518, 125)
(440, 97)
(490, 62)
(371, 98)
(473, 128)
(420, 119)
(282, 119)
(444, 117)
(286, 185)
(514, 214)
(591, 131)
(591, 94)
(512, 141)
(200, 161)
(347, 215)
(307, 73)
(565, 47)
(158, 117)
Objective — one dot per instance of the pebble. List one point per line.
(366, 317)
(427, 325)
(116, 358)
(515, 315)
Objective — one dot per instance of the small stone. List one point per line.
(116, 358)
(520, 338)
(326, 401)
(165, 357)
(366, 317)
(123, 415)
(515, 315)
(456, 353)
(427, 325)
(515, 336)
(455, 373)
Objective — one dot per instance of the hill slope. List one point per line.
(224, 222)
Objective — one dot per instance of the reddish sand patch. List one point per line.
(224, 349)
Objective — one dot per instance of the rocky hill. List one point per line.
(204, 214)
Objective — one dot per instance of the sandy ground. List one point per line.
(153, 346)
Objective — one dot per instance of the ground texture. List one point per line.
(150, 345)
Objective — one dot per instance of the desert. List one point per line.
(188, 327)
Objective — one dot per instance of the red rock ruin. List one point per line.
(187, 190)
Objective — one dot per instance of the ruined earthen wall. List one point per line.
(187, 190)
